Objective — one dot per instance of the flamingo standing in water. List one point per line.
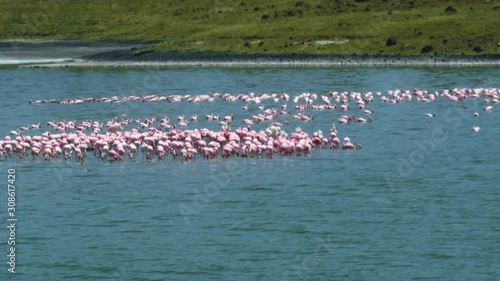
(183, 123)
(35, 126)
(114, 144)
(347, 144)
(334, 140)
(363, 120)
(15, 133)
(397, 96)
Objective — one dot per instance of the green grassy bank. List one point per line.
(270, 27)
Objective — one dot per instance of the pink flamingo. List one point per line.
(347, 144)
(363, 120)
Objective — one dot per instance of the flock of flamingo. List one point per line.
(157, 140)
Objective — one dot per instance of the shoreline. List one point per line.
(345, 62)
(73, 53)
(122, 58)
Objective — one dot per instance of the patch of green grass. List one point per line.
(273, 27)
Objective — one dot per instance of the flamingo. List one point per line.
(183, 123)
(334, 140)
(115, 127)
(363, 120)
(37, 102)
(397, 96)
(347, 144)
(35, 126)
(368, 111)
(115, 142)
(229, 118)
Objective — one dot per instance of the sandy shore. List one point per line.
(73, 53)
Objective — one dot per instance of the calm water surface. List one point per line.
(420, 201)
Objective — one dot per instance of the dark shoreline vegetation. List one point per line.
(264, 29)
(199, 56)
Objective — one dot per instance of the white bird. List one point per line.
(368, 111)
(35, 126)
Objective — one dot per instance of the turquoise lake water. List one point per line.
(408, 206)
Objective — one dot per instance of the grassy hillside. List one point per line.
(263, 26)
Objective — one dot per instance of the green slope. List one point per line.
(274, 27)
